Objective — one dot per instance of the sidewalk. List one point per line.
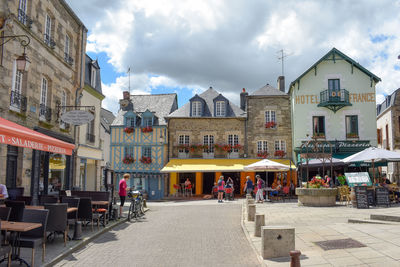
(313, 224)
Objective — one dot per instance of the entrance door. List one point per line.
(208, 182)
(236, 180)
(11, 171)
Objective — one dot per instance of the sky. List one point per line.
(186, 46)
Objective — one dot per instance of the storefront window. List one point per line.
(52, 174)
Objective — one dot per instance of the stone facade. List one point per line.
(256, 129)
(52, 59)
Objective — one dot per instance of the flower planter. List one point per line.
(317, 197)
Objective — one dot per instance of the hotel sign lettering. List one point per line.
(353, 98)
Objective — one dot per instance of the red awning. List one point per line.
(17, 135)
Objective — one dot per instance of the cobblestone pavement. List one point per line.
(313, 224)
(193, 233)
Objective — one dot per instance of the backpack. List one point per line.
(219, 182)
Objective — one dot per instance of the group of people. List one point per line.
(260, 185)
(221, 186)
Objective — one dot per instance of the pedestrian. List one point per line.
(221, 184)
(3, 191)
(248, 187)
(122, 192)
(259, 195)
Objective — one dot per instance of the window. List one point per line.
(379, 134)
(319, 126)
(130, 121)
(233, 139)
(93, 77)
(147, 122)
(220, 109)
(63, 109)
(387, 136)
(196, 109)
(17, 100)
(280, 145)
(270, 118)
(47, 30)
(18, 82)
(208, 140)
(128, 151)
(43, 94)
(146, 151)
(262, 146)
(22, 11)
(351, 126)
(183, 140)
(90, 130)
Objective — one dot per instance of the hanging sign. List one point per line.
(77, 117)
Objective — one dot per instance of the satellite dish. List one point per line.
(77, 117)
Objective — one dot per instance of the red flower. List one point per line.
(128, 159)
(270, 124)
(145, 160)
(279, 153)
(129, 130)
(262, 154)
(147, 129)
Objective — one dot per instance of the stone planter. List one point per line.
(317, 197)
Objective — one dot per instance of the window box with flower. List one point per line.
(128, 159)
(270, 124)
(279, 153)
(147, 129)
(129, 130)
(145, 160)
(262, 154)
(319, 135)
(351, 135)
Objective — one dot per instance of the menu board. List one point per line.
(371, 197)
(361, 197)
(358, 179)
(382, 196)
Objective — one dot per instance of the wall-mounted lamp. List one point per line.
(22, 61)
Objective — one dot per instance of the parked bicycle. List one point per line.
(136, 209)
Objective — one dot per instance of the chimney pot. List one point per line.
(244, 90)
(243, 96)
(126, 94)
(281, 83)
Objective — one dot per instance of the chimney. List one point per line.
(126, 95)
(243, 96)
(281, 83)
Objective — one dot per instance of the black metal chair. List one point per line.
(85, 211)
(57, 221)
(48, 199)
(17, 210)
(35, 237)
(13, 193)
(72, 203)
(26, 199)
(5, 249)
(5, 213)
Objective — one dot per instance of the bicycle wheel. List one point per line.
(131, 208)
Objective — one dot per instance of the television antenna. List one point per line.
(281, 57)
(129, 80)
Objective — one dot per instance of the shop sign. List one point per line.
(358, 178)
(77, 117)
(337, 146)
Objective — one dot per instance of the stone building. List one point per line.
(139, 141)
(89, 151)
(388, 130)
(32, 97)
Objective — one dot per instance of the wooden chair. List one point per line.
(344, 194)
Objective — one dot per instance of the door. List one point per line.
(11, 171)
(208, 182)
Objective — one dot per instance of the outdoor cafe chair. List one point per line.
(72, 203)
(35, 237)
(85, 211)
(5, 213)
(48, 199)
(5, 249)
(26, 199)
(17, 210)
(13, 193)
(57, 221)
(344, 194)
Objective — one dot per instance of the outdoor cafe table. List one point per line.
(31, 207)
(18, 228)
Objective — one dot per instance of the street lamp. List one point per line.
(22, 61)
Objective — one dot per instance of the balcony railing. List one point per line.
(44, 112)
(90, 137)
(49, 41)
(18, 101)
(334, 99)
(24, 19)
(68, 59)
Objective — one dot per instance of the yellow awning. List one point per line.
(213, 165)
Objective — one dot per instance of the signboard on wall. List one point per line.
(77, 117)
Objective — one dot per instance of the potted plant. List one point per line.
(145, 160)
(129, 130)
(147, 129)
(262, 154)
(128, 159)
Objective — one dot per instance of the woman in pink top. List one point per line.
(122, 191)
(221, 184)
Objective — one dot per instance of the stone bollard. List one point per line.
(248, 196)
(259, 222)
(295, 258)
(277, 241)
(251, 212)
(250, 202)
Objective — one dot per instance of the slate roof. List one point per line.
(387, 103)
(88, 63)
(161, 105)
(267, 90)
(106, 118)
(208, 96)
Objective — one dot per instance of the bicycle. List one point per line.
(136, 209)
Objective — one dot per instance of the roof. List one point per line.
(88, 65)
(387, 103)
(106, 118)
(268, 90)
(208, 97)
(333, 52)
(160, 104)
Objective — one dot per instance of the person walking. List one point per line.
(259, 195)
(221, 185)
(122, 192)
(248, 187)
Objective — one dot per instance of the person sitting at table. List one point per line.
(386, 180)
(277, 187)
(329, 181)
(3, 191)
(391, 189)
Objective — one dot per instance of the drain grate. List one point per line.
(339, 244)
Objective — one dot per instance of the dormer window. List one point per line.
(196, 109)
(147, 122)
(220, 109)
(93, 77)
(130, 121)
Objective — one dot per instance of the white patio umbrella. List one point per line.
(373, 154)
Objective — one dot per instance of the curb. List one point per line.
(259, 258)
(85, 241)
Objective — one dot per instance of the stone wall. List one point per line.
(256, 130)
